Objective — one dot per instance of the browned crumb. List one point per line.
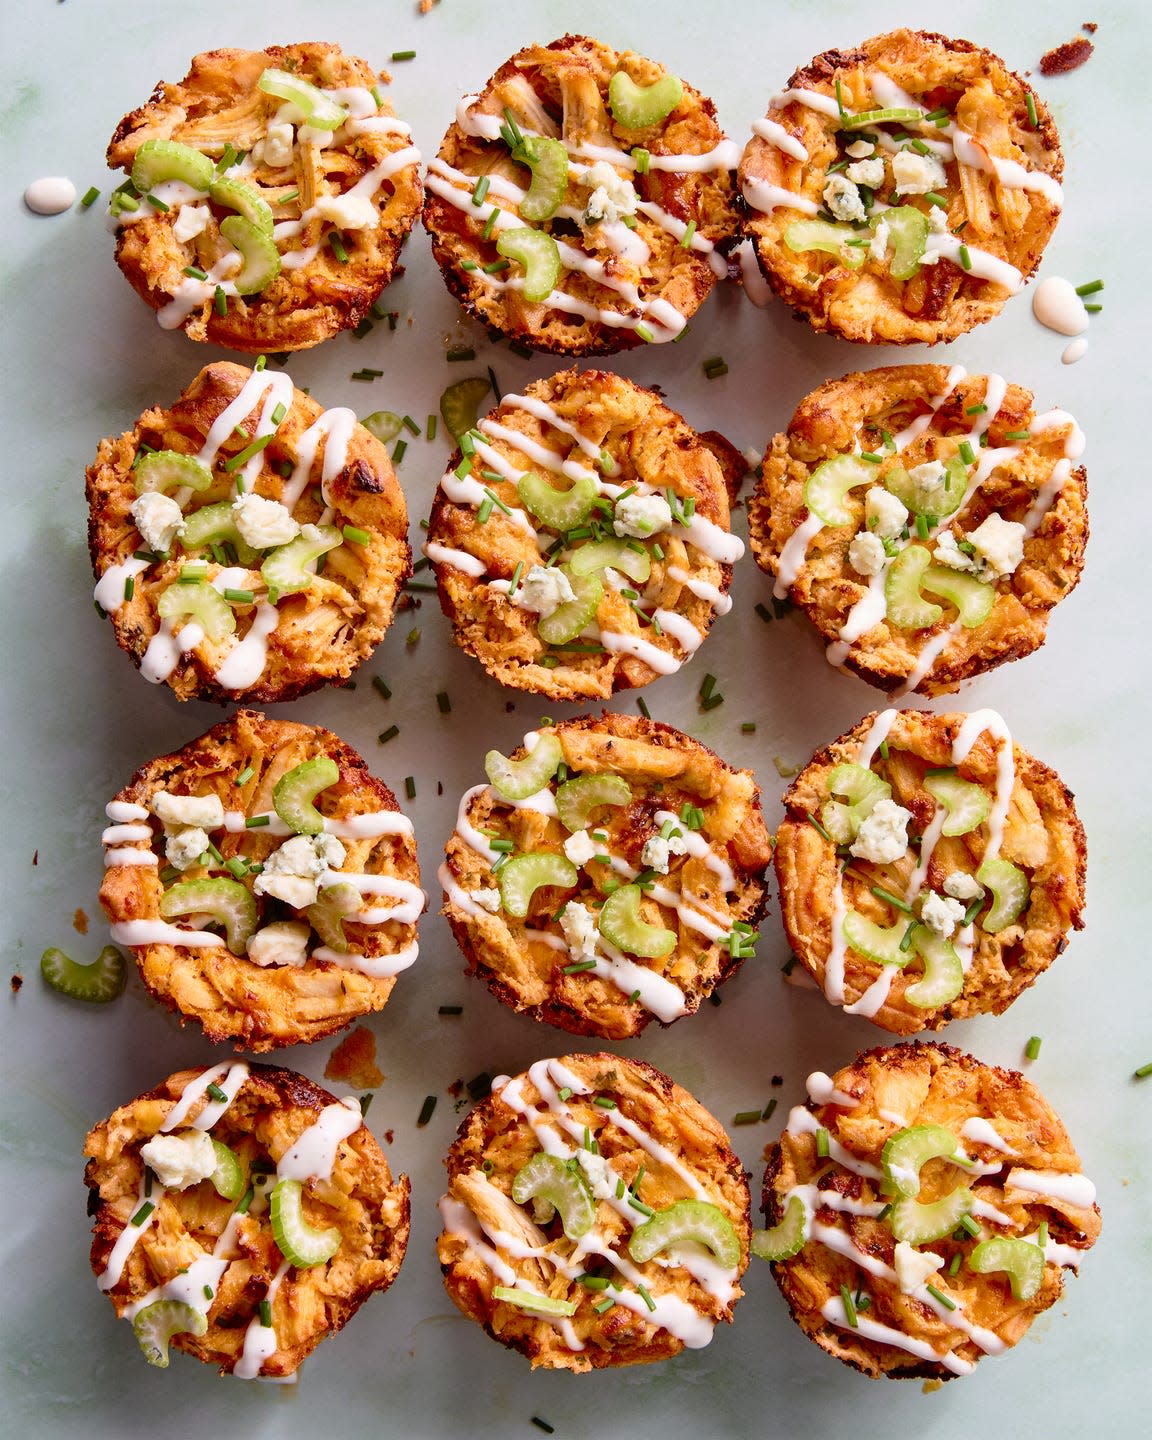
(16, 982)
(389, 1136)
(80, 921)
(930, 1385)
(1069, 56)
(36, 857)
(353, 1062)
(1089, 27)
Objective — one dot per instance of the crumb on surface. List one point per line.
(36, 857)
(16, 982)
(353, 1062)
(80, 921)
(1069, 56)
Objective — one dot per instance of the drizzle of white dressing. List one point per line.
(756, 287)
(833, 1311)
(50, 195)
(246, 662)
(121, 812)
(762, 195)
(822, 1091)
(376, 967)
(127, 1239)
(460, 559)
(1056, 305)
(928, 656)
(191, 293)
(656, 659)
(259, 1339)
(128, 855)
(119, 834)
(777, 136)
(410, 897)
(314, 1154)
(228, 1077)
(334, 427)
(273, 384)
(109, 591)
(1075, 1190)
(975, 725)
(873, 1000)
(838, 950)
(159, 932)
(801, 1121)
(702, 589)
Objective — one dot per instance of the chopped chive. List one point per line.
(945, 1300)
(279, 413)
(245, 1200)
(245, 775)
(89, 198)
(142, 1214)
(954, 1264)
(906, 938)
(642, 706)
(157, 203)
(195, 273)
(266, 1314)
(976, 409)
(412, 637)
(564, 1093)
(884, 749)
(389, 734)
(1018, 435)
(379, 683)
(849, 1306)
(603, 1305)
(934, 199)
(747, 1117)
(366, 374)
(967, 454)
(403, 54)
(967, 1223)
(817, 826)
(209, 1293)
(764, 613)
(965, 258)
(480, 1086)
(1090, 288)
(1032, 1049)
(886, 895)
(129, 587)
(644, 1295)
(490, 223)
(398, 451)
(237, 867)
(235, 461)
(336, 243)
(1030, 106)
(1143, 1072)
(220, 301)
(707, 685)
(450, 1010)
(484, 512)
(358, 537)
(768, 1109)
(686, 238)
(460, 352)
(410, 425)
(642, 158)
(922, 526)
(256, 822)
(592, 1282)
(480, 189)
(217, 1094)
(973, 910)
(443, 702)
(604, 1103)
(645, 334)
(715, 367)
(410, 786)
(578, 967)
(1093, 309)
(239, 597)
(426, 1110)
(822, 1138)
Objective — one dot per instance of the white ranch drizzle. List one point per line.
(121, 812)
(702, 589)
(376, 967)
(779, 137)
(334, 427)
(756, 287)
(822, 1091)
(834, 1312)
(227, 1077)
(460, 559)
(410, 897)
(159, 932)
(1076, 1190)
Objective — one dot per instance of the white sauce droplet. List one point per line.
(50, 195)
(1057, 305)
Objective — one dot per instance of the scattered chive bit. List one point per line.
(1091, 288)
(715, 367)
(410, 425)
(410, 786)
(480, 1086)
(460, 352)
(967, 454)
(822, 1143)
(426, 1110)
(143, 1213)
(768, 1109)
(489, 227)
(220, 301)
(365, 1101)
(379, 683)
(450, 1010)
(403, 54)
(358, 537)
(195, 273)
(871, 457)
(244, 776)
(220, 1096)
(604, 1103)
(1093, 309)
(256, 822)
(398, 451)
(89, 198)
(968, 1224)
(1032, 1049)
(430, 427)
(945, 1300)
(1143, 1072)
(849, 1306)
(1030, 105)
(389, 734)
(543, 1425)
(644, 1295)
(266, 1314)
(816, 825)
(413, 637)
(954, 1264)
(336, 243)
(747, 1117)
(642, 706)
(578, 967)
(645, 334)
(444, 702)
(480, 189)
(1018, 435)
(764, 613)
(965, 258)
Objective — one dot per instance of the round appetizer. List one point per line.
(595, 1216)
(926, 521)
(580, 537)
(924, 1208)
(241, 1214)
(267, 198)
(265, 882)
(576, 203)
(611, 873)
(247, 544)
(930, 869)
(900, 192)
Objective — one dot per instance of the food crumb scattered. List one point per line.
(930, 1385)
(16, 982)
(777, 1081)
(36, 857)
(1089, 27)
(80, 922)
(1069, 56)
(389, 1136)
(353, 1062)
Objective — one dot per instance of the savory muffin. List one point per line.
(924, 1209)
(266, 883)
(577, 201)
(927, 522)
(580, 537)
(595, 1216)
(612, 872)
(269, 193)
(898, 193)
(241, 1214)
(247, 544)
(930, 869)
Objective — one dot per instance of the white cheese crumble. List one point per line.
(158, 518)
(277, 144)
(544, 589)
(191, 220)
(185, 846)
(181, 1160)
(206, 811)
(843, 199)
(962, 886)
(579, 927)
(999, 543)
(580, 847)
(948, 553)
(641, 515)
(836, 820)
(595, 1169)
(291, 872)
(612, 195)
(487, 899)
(349, 212)
(263, 523)
(860, 149)
(883, 835)
(866, 553)
(878, 246)
(658, 851)
(867, 172)
(941, 913)
(284, 942)
(937, 219)
(914, 1267)
(929, 493)
(917, 174)
(884, 514)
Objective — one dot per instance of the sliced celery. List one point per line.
(968, 805)
(568, 620)
(971, 597)
(202, 603)
(460, 404)
(548, 160)
(159, 160)
(803, 235)
(97, 982)
(540, 257)
(297, 789)
(877, 942)
(216, 524)
(559, 510)
(301, 1244)
(694, 1220)
(577, 800)
(517, 779)
(166, 470)
(635, 107)
(920, 1224)
(1010, 893)
(614, 554)
(787, 1238)
(155, 1325)
(227, 901)
(1022, 1261)
(245, 200)
(907, 1152)
(322, 112)
(285, 570)
(830, 482)
(258, 252)
(327, 914)
(523, 875)
(943, 977)
(906, 608)
(621, 925)
(908, 232)
(547, 1178)
(228, 1179)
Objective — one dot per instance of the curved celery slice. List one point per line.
(533, 1302)
(566, 622)
(1010, 893)
(1022, 1261)
(300, 1243)
(830, 482)
(908, 233)
(258, 252)
(938, 501)
(907, 1152)
(880, 117)
(216, 524)
(696, 1220)
(787, 1238)
(920, 1224)
(460, 404)
(638, 106)
(166, 470)
(943, 977)
(825, 235)
(285, 568)
(621, 925)
(202, 603)
(160, 160)
(98, 982)
(323, 113)
(384, 424)
(578, 799)
(327, 914)
(906, 608)
(245, 200)
(617, 554)
(548, 1178)
(523, 875)
(861, 787)
(540, 257)
(968, 805)
(548, 160)
(971, 597)
(155, 1325)
(226, 901)
(297, 788)
(877, 942)
(228, 1179)
(558, 509)
(517, 779)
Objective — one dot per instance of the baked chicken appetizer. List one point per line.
(265, 882)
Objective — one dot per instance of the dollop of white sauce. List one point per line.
(1076, 351)
(1057, 305)
(50, 195)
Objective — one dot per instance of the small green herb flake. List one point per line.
(256, 822)
(768, 1109)
(220, 1096)
(389, 734)
(220, 301)
(379, 683)
(1030, 105)
(413, 637)
(426, 1110)
(1143, 1072)
(460, 352)
(965, 258)
(642, 706)
(1091, 288)
(945, 1300)
(143, 1213)
(89, 198)
(967, 454)
(444, 702)
(747, 1117)
(450, 1010)
(1032, 1049)
(816, 825)
(849, 1306)
(644, 1295)
(403, 54)
(822, 1143)
(579, 966)
(357, 537)
(410, 786)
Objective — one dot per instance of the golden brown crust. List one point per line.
(666, 771)
(561, 90)
(272, 1109)
(943, 300)
(650, 445)
(924, 1084)
(217, 103)
(261, 1007)
(1042, 836)
(324, 632)
(859, 409)
(495, 1142)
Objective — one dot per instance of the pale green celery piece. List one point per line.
(968, 805)
(947, 500)
(533, 1302)
(695, 1220)
(97, 982)
(228, 1179)
(159, 160)
(216, 524)
(322, 111)
(832, 239)
(567, 622)
(301, 1244)
(523, 875)
(906, 608)
(1022, 1261)
(285, 568)
(578, 800)
(165, 470)
(227, 901)
(547, 1177)
(971, 597)
(540, 257)
(202, 603)
(384, 424)
(862, 788)
(460, 404)
(638, 106)
(877, 942)
(829, 484)
(517, 779)
(327, 914)
(245, 200)
(297, 789)
(921, 1224)
(908, 230)
(155, 1325)
(943, 977)
(621, 925)
(614, 554)
(258, 252)
(787, 1238)
(559, 510)
(1010, 893)
(881, 117)
(907, 1152)
(548, 160)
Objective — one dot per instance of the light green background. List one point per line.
(82, 357)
